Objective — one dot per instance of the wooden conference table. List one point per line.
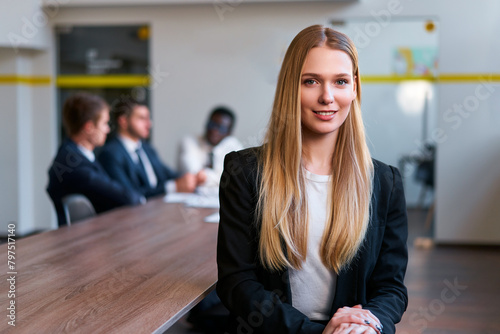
(131, 270)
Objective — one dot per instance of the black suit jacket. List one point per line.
(260, 301)
(71, 173)
(117, 162)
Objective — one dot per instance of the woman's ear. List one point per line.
(355, 85)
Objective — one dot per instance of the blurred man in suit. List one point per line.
(130, 160)
(74, 169)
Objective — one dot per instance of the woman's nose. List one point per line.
(326, 95)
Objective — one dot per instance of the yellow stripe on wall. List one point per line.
(117, 81)
(452, 77)
(24, 80)
(101, 81)
(394, 78)
(441, 78)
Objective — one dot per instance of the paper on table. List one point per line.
(213, 218)
(203, 202)
(177, 197)
(193, 200)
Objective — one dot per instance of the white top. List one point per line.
(313, 286)
(194, 155)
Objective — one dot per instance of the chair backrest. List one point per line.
(77, 207)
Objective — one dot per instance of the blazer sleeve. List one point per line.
(98, 186)
(387, 296)
(253, 306)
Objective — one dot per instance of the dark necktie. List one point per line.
(210, 160)
(146, 167)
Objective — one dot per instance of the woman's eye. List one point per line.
(309, 81)
(342, 82)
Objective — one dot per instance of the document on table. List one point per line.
(196, 201)
(177, 197)
(213, 218)
(193, 200)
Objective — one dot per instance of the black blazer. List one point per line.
(71, 173)
(117, 162)
(260, 301)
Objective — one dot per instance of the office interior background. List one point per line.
(430, 87)
(430, 79)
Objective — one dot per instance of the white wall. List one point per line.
(469, 175)
(8, 147)
(25, 130)
(23, 24)
(220, 3)
(44, 136)
(234, 59)
(24, 146)
(393, 112)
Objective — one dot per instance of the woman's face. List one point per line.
(327, 91)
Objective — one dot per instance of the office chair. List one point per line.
(425, 174)
(77, 207)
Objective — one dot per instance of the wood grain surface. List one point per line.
(131, 270)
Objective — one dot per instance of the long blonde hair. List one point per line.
(282, 205)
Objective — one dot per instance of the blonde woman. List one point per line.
(312, 235)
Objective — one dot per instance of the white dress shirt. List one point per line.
(194, 154)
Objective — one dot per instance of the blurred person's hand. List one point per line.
(186, 183)
(201, 177)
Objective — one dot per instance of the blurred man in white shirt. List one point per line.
(207, 152)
